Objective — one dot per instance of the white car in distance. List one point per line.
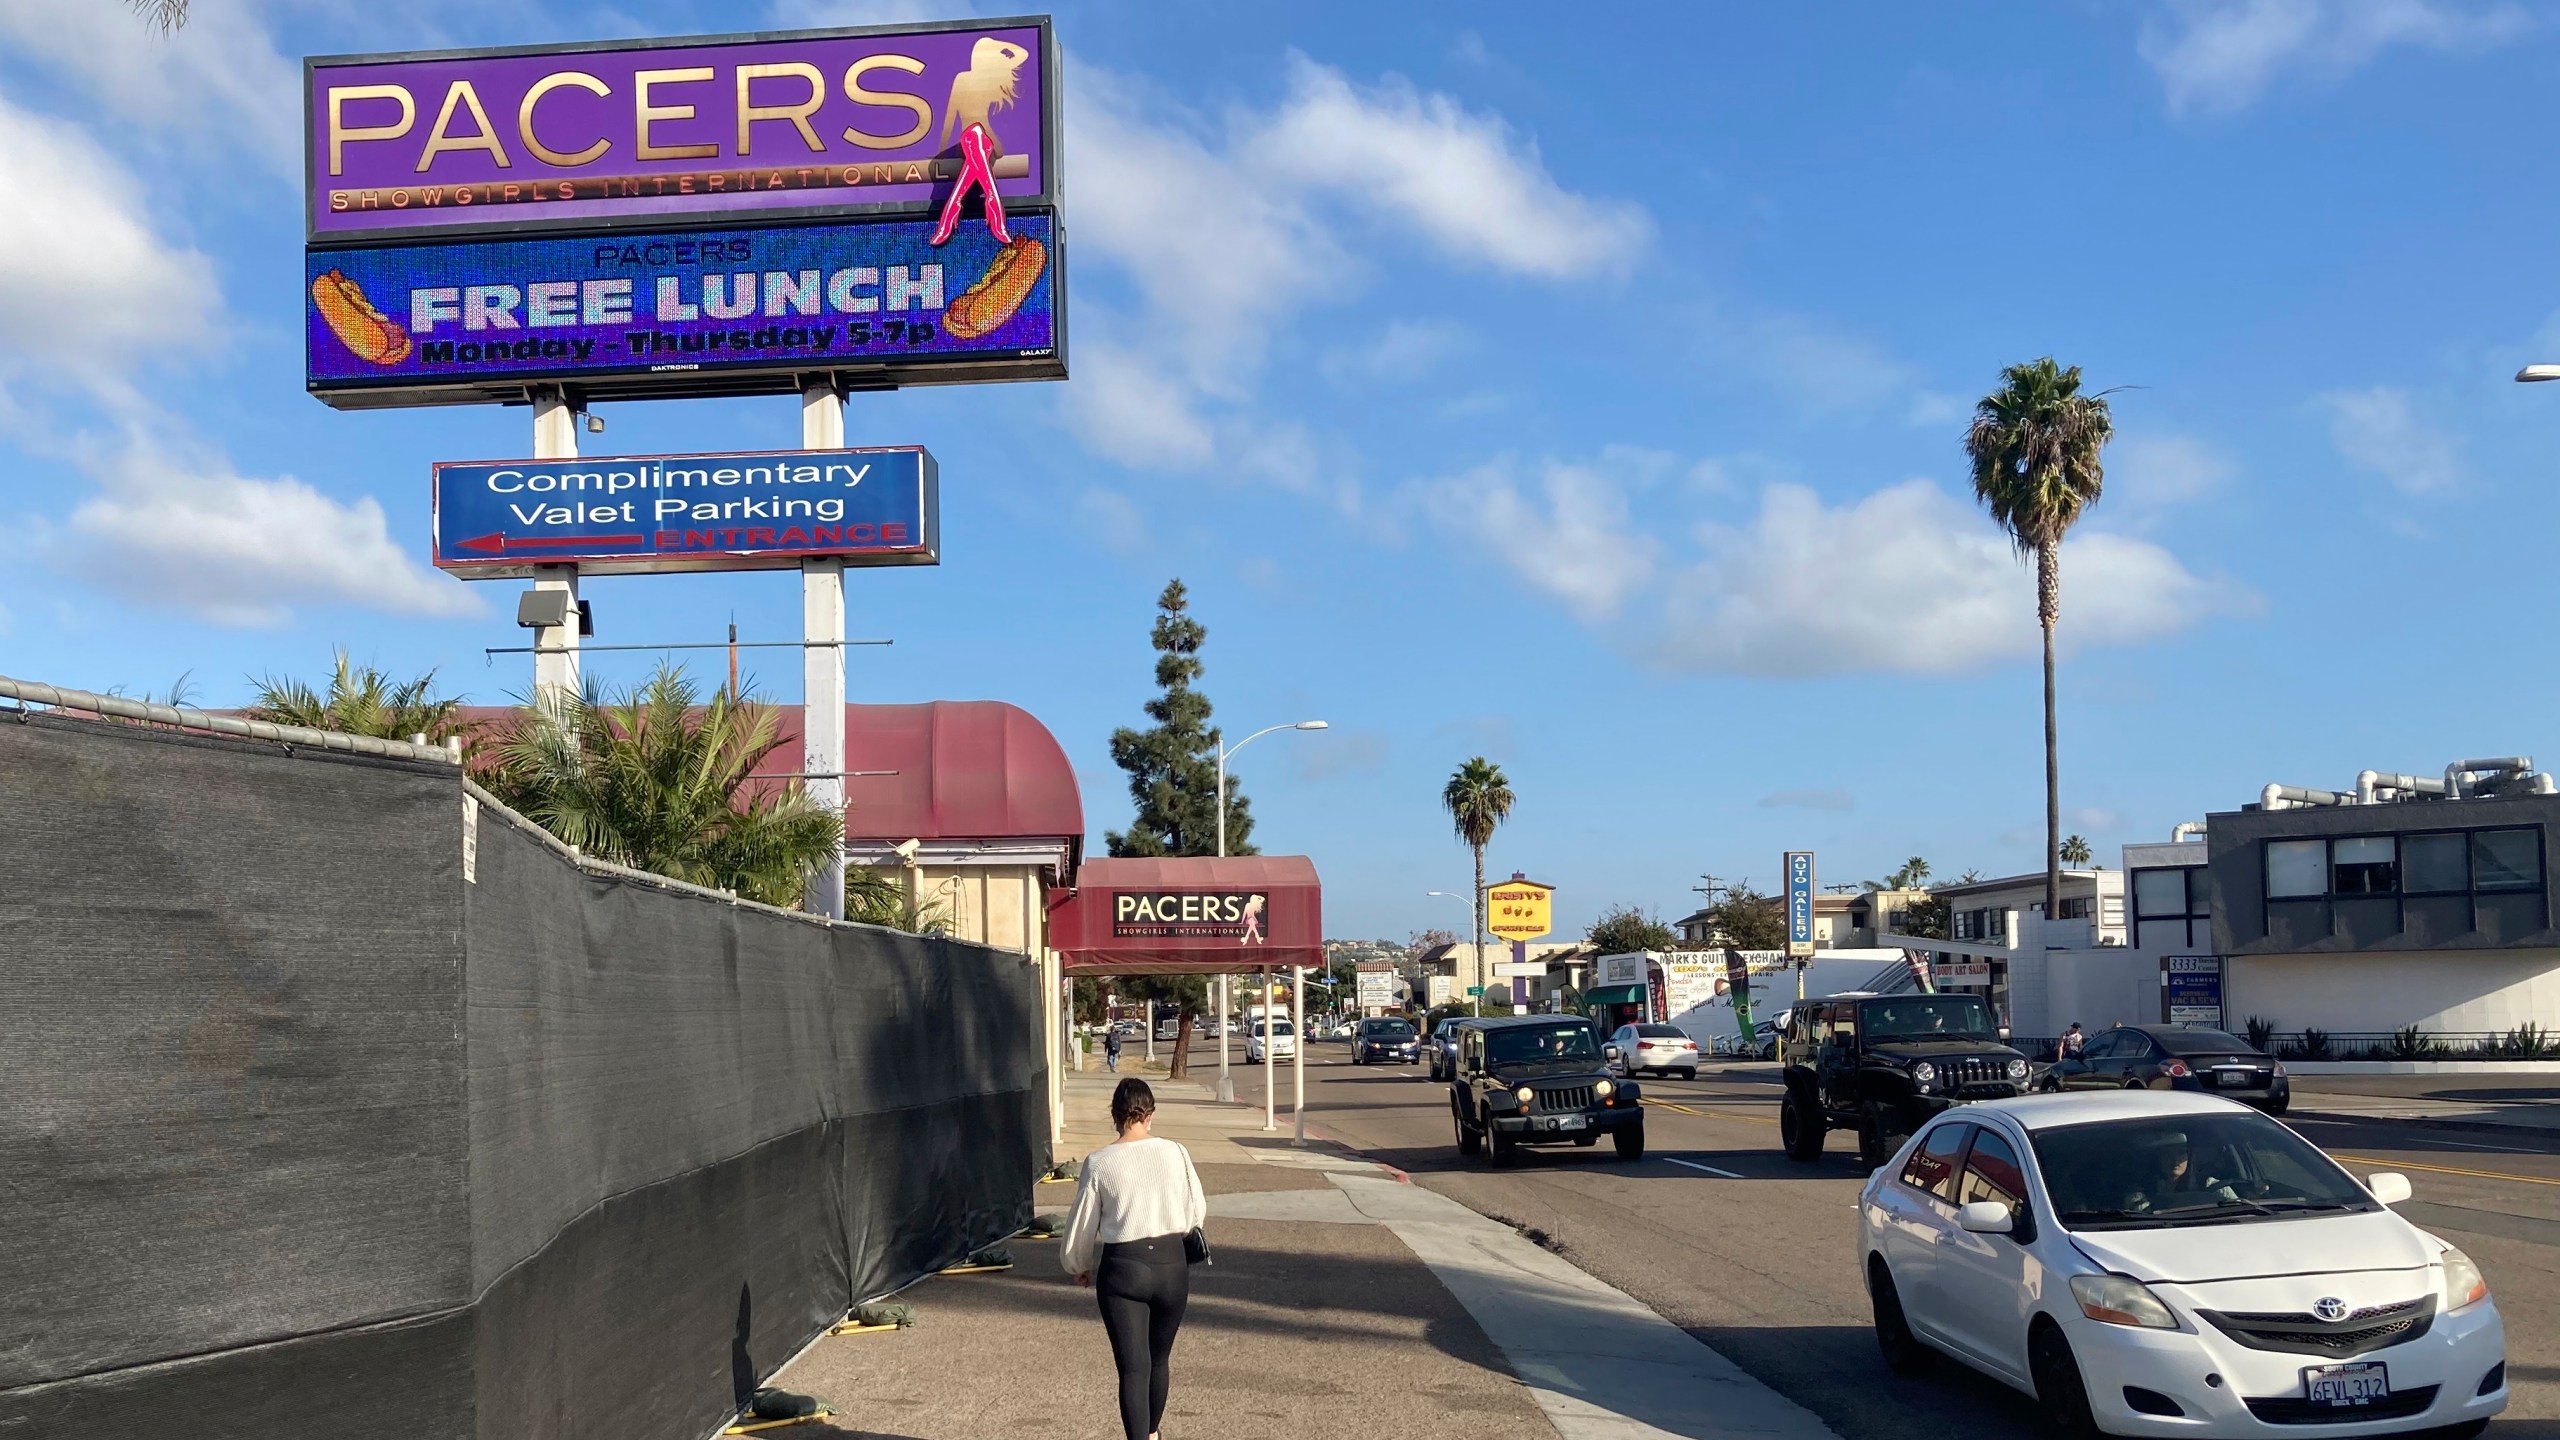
(1282, 1043)
(1653, 1049)
(2149, 1263)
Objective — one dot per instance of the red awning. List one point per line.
(966, 770)
(1190, 916)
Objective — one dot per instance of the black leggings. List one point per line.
(1143, 1286)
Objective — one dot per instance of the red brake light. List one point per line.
(2175, 1069)
(1688, 1044)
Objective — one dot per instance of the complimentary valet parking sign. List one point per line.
(648, 514)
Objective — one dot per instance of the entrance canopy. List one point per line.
(1189, 916)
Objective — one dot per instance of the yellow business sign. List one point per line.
(1519, 909)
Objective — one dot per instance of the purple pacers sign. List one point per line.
(635, 132)
(694, 312)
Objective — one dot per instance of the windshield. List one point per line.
(1512, 1045)
(2187, 1169)
(1387, 1029)
(1928, 1017)
(2202, 1042)
(1279, 1028)
(1657, 1032)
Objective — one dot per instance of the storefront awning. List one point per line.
(1615, 995)
(1189, 916)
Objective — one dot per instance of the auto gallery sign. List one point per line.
(638, 132)
(1157, 914)
(674, 313)
(649, 514)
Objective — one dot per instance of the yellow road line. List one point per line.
(2443, 1169)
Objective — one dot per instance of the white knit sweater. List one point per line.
(1131, 1190)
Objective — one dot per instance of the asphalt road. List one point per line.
(1755, 1255)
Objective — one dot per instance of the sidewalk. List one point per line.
(1343, 1301)
(2529, 1119)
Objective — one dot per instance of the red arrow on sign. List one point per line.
(497, 543)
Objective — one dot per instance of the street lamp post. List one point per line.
(1226, 1081)
(1475, 1002)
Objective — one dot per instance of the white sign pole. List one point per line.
(1270, 1067)
(555, 647)
(1298, 1051)
(822, 663)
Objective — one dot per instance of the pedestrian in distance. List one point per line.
(2071, 1043)
(1111, 1048)
(1132, 1237)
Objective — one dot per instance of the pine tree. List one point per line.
(1173, 766)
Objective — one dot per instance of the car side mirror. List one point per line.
(2388, 1186)
(1612, 1049)
(1986, 1217)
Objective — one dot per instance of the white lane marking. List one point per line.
(1710, 1169)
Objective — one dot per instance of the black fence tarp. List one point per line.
(304, 1132)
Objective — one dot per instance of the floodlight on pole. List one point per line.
(2531, 373)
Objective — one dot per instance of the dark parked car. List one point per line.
(1540, 1080)
(1394, 1041)
(2175, 1057)
(1883, 1064)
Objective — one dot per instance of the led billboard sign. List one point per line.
(637, 133)
(650, 514)
(708, 312)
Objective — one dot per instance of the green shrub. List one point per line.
(2411, 1043)
(2315, 1043)
(2528, 1042)
(2261, 1030)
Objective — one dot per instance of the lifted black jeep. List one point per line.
(1882, 1064)
(1539, 1080)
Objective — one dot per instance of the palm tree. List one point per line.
(659, 780)
(2034, 445)
(360, 700)
(1478, 798)
(2075, 850)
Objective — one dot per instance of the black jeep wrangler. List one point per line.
(1881, 1064)
(1539, 1080)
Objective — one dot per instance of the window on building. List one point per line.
(2160, 894)
(2365, 865)
(2435, 864)
(2078, 907)
(2506, 860)
(2297, 867)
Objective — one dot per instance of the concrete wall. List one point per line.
(2441, 991)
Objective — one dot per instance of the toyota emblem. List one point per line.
(2329, 1307)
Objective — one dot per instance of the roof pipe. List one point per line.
(2371, 785)
(2280, 797)
(2186, 830)
(2458, 774)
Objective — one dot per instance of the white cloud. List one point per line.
(1568, 535)
(2147, 473)
(189, 533)
(1838, 802)
(1822, 368)
(1405, 351)
(217, 87)
(2218, 56)
(2380, 430)
(1115, 520)
(1459, 178)
(1906, 580)
(87, 287)
(2094, 817)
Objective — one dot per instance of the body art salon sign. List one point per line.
(635, 132)
(1162, 914)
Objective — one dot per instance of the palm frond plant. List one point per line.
(1478, 798)
(360, 700)
(872, 898)
(659, 778)
(2034, 446)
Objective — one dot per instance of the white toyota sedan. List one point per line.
(2156, 1263)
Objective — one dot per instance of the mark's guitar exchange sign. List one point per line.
(1156, 914)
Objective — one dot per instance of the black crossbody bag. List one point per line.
(1195, 1247)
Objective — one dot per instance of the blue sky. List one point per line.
(1588, 399)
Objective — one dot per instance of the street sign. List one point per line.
(1377, 988)
(1474, 990)
(1800, 903)
(651, 514)
(1436, 989)
(1518, 909)
(2191, 990)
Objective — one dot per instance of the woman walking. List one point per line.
(1137, 1203)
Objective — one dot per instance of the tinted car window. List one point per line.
(2202, 1042)
(1992, 1172)
(1656, 1032)
(2188, 1169)
(2101, 1047)
(1513, 1045)
(1386, 1029)
(1932, 1168)
(1928, 1017)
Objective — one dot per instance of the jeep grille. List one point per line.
(1574, 1097)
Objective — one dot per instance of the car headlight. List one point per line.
(2017, 1069)
(1924, 1074)
(2121, 1300)
(1604, 1089)
(2463, 1285)
(1525, 1096)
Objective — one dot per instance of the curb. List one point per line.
(2430, 1122)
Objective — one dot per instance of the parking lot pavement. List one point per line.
(1342, 1300)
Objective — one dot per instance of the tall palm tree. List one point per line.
(360, 700)
(660, 780)
(2035, 445)
(2075, 850)
(1478, 798)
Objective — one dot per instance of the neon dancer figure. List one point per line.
(1252, 921)
(976, 169)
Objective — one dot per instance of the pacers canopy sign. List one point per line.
(1518, 909)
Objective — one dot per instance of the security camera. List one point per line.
(906, 850)
(595, 424)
